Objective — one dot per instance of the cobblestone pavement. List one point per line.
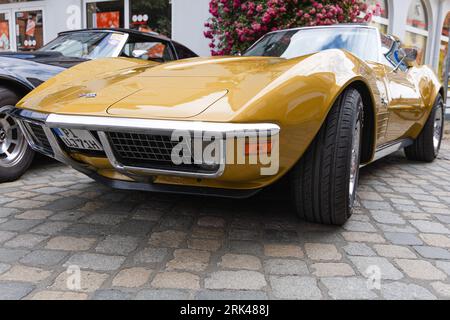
(134, 245)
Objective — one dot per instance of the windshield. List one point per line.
(86, 45)
(362, 42)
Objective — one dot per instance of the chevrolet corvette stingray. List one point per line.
(319, 102)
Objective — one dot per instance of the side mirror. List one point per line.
(409, 56)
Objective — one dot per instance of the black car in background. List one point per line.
(21, 72)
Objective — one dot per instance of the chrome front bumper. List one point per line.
(103, 125)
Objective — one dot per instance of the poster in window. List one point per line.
(4, 35)
(107, 19)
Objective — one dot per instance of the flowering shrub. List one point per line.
(236, 24)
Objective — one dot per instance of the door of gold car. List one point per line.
(405, 105)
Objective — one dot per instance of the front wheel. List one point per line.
(325, 180)
(15, 154)
(427, 145)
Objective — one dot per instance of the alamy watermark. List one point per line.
(210, 149)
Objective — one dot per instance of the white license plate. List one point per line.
(79, 139)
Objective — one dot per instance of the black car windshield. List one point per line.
(87, 45)
(288, 44)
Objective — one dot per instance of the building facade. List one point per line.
(28, 24)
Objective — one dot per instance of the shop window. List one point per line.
(105, 14)
(380, 14)
(151, 16)
(29, 29)
(5, 35)
(417, 28)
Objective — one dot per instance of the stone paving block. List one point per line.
(330, 269)
(25, 274)
(387, 217)
(134, 228)
(363, 237)
(188, 259)
(351, 288)
(388, 271)
(19, 225)
(444, 266)
(210, 221)
(403, 239)
(67, 216)
(4, 267)
(240, 261)
(394, 251)
(283, 250)
(420, 269)
(70, 243)
(433, 252)
(359, 249)
(245, 247)
(359, 226)
(89, 281)
(150, 255)
(99, 262)
(50, 228)
(285, 267)
(59, 295)
(230, 295)
(176, 280)
(430, 227)
(319, 251)
(103, 219)
(235, 280)
(436, 240)
(168, 239)
(204, 244)
(132, 277)
(110, 294)
(162, 294)
(294, 287)
(11, 255)
(442, 289)
(117, 245)
(14, 291)
(403, 291)
(43, 257)
(25, 241)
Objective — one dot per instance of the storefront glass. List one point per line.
(5, 35)
(29, 30)
(155, 15)
(105, 14)
(417, 28)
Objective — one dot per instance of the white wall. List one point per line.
(188, 18)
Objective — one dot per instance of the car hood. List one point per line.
(132, 88)
(30, 72)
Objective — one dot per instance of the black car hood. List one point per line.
(52, 58)
(27, 72)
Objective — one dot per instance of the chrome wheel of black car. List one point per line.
(15, 154)
(13, 145)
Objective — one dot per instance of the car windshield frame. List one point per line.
(92, 44)
(368, 53)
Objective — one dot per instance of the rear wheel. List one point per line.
(325, 180)
(15, 154)
(427, 145)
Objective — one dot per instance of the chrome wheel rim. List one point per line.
(438, 124)
(354, 164)
(12, 142)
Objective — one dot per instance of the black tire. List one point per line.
(10, 171)
(424, 148)
(320, 182)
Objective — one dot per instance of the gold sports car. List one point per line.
(310, 104)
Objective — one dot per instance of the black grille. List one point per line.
(150, 151)
(40, 137)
